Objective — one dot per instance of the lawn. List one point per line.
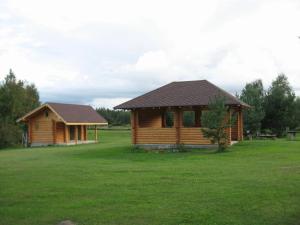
(256, 182)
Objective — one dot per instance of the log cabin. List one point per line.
(158, 118)
(61, 124)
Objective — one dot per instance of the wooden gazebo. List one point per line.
(61, 124)
(157, 117)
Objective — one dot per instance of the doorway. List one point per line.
(72, 133)
(79, 133)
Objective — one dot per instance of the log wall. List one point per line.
(147, 128)
(156, 136)
(237, 128)
(45, 130)
(193, 136)
(60, 132)
(150, 118)
(41, 127)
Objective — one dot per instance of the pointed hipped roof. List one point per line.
(179, 94)
(70, 114)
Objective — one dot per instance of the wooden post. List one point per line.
(82, 133)
(241, 128)
(228, 130)
(54, 131)
(178, 125)
(134, 125)
(96, 134)
(76, 134)
(66, 138)
(85, 132)
(64, 133)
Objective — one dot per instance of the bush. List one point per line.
(215, 121)
(267, 131)
(10, 134)
(17, 97)
(182, 148)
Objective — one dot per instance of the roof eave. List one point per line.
(244, 105)
(24, 118)
(86, 123)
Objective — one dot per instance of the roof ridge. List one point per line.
(67, 104)
(228, 94)
(180, 93)
(70, 113)
(147, 93)
(182, 81)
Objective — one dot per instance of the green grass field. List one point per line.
(254, 183)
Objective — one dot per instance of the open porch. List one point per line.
(73, 134)
(170, 127)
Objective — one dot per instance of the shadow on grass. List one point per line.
(129, 153)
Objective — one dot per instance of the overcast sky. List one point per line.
(105, 52)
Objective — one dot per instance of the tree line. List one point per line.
(115, 117)
(273, 110)
(17, 97)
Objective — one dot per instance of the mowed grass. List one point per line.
(256, 182)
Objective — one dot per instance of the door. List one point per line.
(79, 133)
(72, 133)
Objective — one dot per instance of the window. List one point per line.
(169, 119)
(188, 118)
(234, 118)
(149, 118)
(46, 113)
(203, 115)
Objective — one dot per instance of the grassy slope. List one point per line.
(255, 183)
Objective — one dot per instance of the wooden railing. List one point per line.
(156, 136)
(193, 135)
(169, 136)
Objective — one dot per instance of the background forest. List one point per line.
(273, 110)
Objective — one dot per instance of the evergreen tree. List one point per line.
(215, 122)
(115, 117)
(253, 94)
(279, 106)
(16, 98)
(297, 112)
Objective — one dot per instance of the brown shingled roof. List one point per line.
(184, 93)
(71, 113)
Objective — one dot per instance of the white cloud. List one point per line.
(107, 102)
(152, 61)
(102, 52)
